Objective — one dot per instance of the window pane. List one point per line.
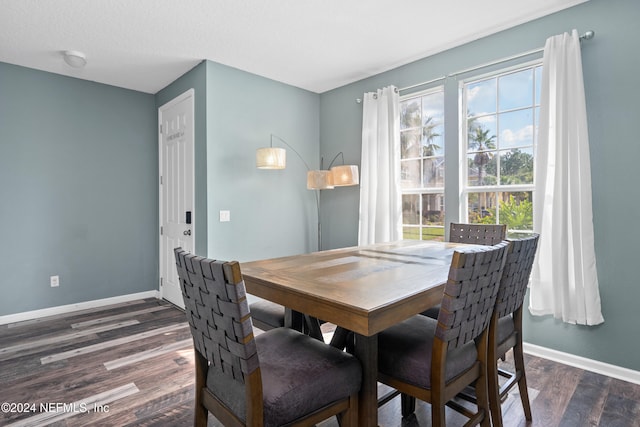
(433, 108)
(410, 174)
(516, 166)
(482, 168)
(516, 210)
(516, 129)
(482, 133)
(515, 90)
(411, 209)
(538, 73)
(433, 233)
(410, 114)
(536, 125)
(433, 141)
(481, 97)
(482, 208)
(411, 233)
(433, 209)
(410, 144)
(433, 172)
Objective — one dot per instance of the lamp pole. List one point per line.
(317, 191)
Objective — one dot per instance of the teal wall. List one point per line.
(272, 212)
(610, 62)
(78, 193)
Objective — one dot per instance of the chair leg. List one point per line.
(438, 417)
(482, 397)
(201, 367)
(522, 381)
(349, 418)
(201, 415)
(494, 394)
(408, 404)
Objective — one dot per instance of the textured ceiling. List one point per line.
(317, 45)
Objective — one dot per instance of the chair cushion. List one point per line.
(405, 350)
(506, 327)
(267, 312)
(299, 375)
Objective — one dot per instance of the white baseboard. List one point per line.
(63, 309)
(598, 367)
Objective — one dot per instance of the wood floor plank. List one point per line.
(111, 318)
(581, 410)
(107, 344)
(148, 354)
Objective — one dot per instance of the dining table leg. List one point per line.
(366, 350)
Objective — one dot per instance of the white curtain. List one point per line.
(380, 196)
(564, 279)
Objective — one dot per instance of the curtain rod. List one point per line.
(586, 36)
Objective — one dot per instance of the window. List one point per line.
(500, 115)
(422, 165)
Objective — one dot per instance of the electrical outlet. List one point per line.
(55, 281)
(225, 216)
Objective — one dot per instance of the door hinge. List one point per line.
(160, 179)
(161, 282)
(161, 129)
(161, 230)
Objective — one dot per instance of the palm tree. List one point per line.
(480, 141)
(428, 135)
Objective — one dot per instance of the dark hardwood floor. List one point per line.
(132, 365)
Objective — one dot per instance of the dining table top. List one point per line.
(365, 289)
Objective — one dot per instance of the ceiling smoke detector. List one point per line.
(75, 58)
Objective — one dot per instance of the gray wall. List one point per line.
(78, 191)
(610, 63)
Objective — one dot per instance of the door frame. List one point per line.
(190, 93)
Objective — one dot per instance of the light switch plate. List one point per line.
(225, 216)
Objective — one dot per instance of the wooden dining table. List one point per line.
(363, 289)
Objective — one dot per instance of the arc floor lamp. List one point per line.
(317, 179)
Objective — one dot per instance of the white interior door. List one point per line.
(177, 216)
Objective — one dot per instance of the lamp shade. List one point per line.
(271, 158)
(345, 175)
(319, 180)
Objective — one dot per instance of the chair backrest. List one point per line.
(470, 293)
(218, 314)
(478, 234)
(515, 277)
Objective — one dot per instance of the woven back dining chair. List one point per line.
(478, 234)
(281, 377)
(435, 360)
(505, 329)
